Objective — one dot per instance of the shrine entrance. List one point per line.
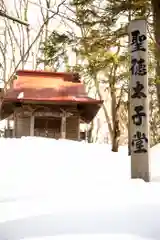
(47, 127)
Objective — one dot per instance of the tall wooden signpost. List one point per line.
(139, 102)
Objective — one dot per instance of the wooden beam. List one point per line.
(21, 112)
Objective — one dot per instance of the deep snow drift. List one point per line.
(60, 188)
(38, 165)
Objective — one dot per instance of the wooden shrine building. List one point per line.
(48, 104)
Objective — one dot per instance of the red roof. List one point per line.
(48, 87)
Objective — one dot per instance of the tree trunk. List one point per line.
(115, 121)
(116, 136)
(156, 20)
(114, 112)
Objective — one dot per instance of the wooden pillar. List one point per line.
(79, 133)
(15, 124)
(63, 126)
(139, 102)
(32, 125)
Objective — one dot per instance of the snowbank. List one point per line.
(131, 209)
(38, 166)
(60, 188)
(33, 165)
(91, 237)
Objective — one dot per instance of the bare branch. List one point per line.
(34, 41)
(3, 14)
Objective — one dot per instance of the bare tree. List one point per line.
(22, 40)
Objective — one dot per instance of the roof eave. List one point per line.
(88, 109)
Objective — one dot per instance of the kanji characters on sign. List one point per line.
(138, 142)
(138, 93)
(138, 67)
(137, 118)
(138, 41)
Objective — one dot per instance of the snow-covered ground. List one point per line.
(69, 190)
